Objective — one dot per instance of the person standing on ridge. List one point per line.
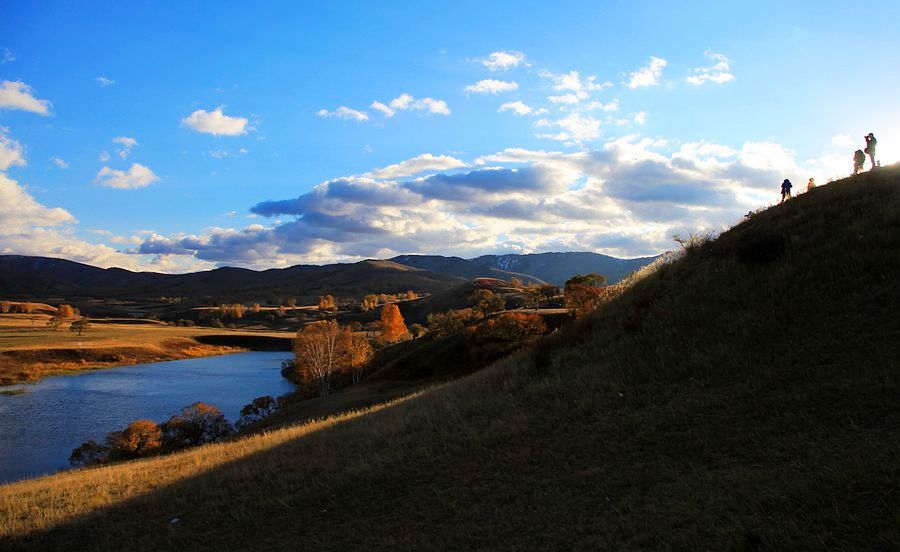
(786, 190)
(811, 184)
(859, 159)
(871, 142)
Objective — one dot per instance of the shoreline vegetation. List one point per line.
(29, 352)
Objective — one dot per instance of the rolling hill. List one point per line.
(741, 397)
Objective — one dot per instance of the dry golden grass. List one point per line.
(29, 350)
(743, 397)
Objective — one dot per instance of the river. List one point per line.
(40, 427)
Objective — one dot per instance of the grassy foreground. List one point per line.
(30, 351)
(744, 397)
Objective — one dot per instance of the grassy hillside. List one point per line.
(743, 397)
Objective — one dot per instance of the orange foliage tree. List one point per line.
(393, 327)
(511, 327)
(327, 304)
(584, 293)
(357, 353)
(140, 438)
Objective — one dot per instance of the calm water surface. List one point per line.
(39, 428)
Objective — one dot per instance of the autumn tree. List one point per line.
(79, 326)
(316, 351)
(511, 327)
(485, 302)
(65, 311)
(55, 322)
(258, 409)
(357, 353)
(89, 453)
(393, 327)
(327, 304)
(196, 424)
(141, 438)
(417, 330)
(411, 295)
(583, 293)
(369, 302)
(255, 308)
(444, 324)
(5, 307)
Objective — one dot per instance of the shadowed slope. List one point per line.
(743, 397)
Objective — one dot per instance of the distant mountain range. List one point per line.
(553, 268)
(23, 277)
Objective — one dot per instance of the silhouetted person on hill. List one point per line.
(811, 184)
(871, 142)
(859, 159)
(786, 190)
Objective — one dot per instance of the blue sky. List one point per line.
(249, 136)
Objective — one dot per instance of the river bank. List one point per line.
(29, 352)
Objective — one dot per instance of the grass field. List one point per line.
(743, 397)
(29, 350)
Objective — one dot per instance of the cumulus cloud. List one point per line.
(216, 123)
(59, 162)
(718, 73)
(503, 60)
(12, 154)
(18, 95)
(137, 176)
(417, 165)
(344, 113)
(574, 82)
(103, 157)
(520, 108)
(598, 105)
(640, 117)
(405, 102)
(104, 82)
(648, 75)
(491, 86)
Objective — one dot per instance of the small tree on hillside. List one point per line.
(258, 409)
(79, 326)
(197, 424)
(66, 311)
(583, 293)
(327, 304)
(485, 302)
(316, 350)
(357, 352)
(55, 322)
(140, 438)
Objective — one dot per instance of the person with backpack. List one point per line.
(811, 184)
(859, 159)
(871, 142)
(786, 190)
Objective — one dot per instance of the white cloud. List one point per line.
(503, 60)
(405, 102)
(648, 75)
(573, 128)
(520, 108)
(719, 72)
(492, 86)
(103, 157)
(216, 123)
(126, 143)
(104, 82)
(568, 99)
(224, 153)
(574, 82)
(383, 108)
(137, 176)
(18, 95)
(597, 104)
(416, 165)
(8, 56)
(344, 113)
(640, 117)
(19, 211)
(12, 154)
(59, 162)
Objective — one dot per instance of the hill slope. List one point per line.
(743, 397)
